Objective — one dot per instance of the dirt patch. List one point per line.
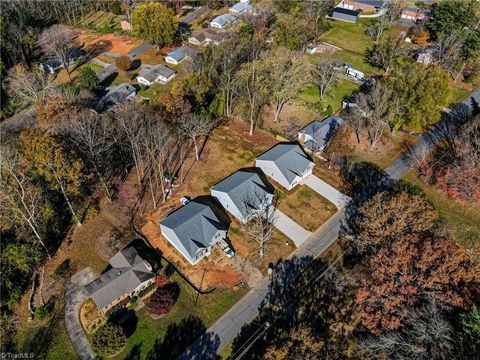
(121, 45)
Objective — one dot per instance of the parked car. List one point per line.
(226, 248)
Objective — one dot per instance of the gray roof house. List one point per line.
(207, 36)
(179, 54)
(222, 21)
(129, 275)
(117, 95)
(240, 8)
(160, 73)
(242, 194)
(286, 163)
(342, 14)
(193, 230)
(316, 135)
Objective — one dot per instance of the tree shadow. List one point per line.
(152, 255)
(126, 319)
(135, 352)
(109, 80)
(181, 335)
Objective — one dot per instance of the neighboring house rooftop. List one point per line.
(345, 14)
(246, 189)
(290, 159)
(195, 226)
(151, 74)
(182, 52)
(118, 95)
(224, 19)
(207, 34)
(411, 9)
(375, 3)
(241, 7)
(128, 272)
(320, 132)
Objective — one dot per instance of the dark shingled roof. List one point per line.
(321, 132)
(195, 226)
(127, 273)
(290, 159)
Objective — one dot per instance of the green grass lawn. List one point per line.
(342, 89)
(349, 36)
(208, 309)
(462, 220)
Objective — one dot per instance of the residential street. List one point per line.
(245, 310)
(75, 296)
(196, 13)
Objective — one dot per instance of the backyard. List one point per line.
(341, 90)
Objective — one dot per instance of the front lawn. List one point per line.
(185, 322)
(306, 207)
(341, 90)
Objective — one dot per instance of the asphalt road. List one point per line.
(247, 308)
(196, 13)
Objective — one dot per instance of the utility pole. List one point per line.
(200, 287)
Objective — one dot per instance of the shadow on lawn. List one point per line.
(181, 335)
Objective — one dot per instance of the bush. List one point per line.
(161, 281)
(41, 313)
(63, 268)
(109, 340)
(88, 79)
(123, 63)
(161, 301)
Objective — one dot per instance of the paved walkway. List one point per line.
(327, 191)
(290, 228)
(75, 295)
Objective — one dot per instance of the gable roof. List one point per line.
(128, 271)
(290, 159)
(117, 95)
(246, 189)
(375, 3)
(241, 7)
(224, 19)
(345, 14)
(183, 51)
(151, 74)
(321, 132)
(411, 8)
(207, 34)
(195, 226)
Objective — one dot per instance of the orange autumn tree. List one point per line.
(415, 265)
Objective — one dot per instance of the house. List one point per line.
(286, 163)
(158, 73)
(412, 13)
(243, 193)
(176, 56)
(129, 274)
(117, 95)
(52, 64)
(240, 8)
(223, 21)
(364, 5)
(426, 56)
(316, 135)
(193, 230)
(205, 37)
(342, 14)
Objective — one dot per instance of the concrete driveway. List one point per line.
(75, 295)
(290, 228)
(327, 191)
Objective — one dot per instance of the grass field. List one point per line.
(461, 220)
(178, 328)
(334, 97)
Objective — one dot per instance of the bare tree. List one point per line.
(58, 40)
(261, 215)
(19, 198)
(393, 10)
(324, 76)
(449, 53)
(29, 87)
(193, 127)
(354, 119)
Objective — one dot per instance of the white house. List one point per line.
(193, 230)
(287, 164)
(223, 21)
(242, 194)
(176, 56)
(240, 8)
(158, 73)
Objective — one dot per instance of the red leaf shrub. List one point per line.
(161, 301)
(161, 281)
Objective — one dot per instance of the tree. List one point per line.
(21, 201)
(419, 35)
(193, 127)
(304, 344)
(154, 22)
(27, 86)
(289, 74)
(260, 217)
(123, 63)
(393, 10)
(404, 270)
(324, 76)
(420, 93)
(161, 301)
(42, 153)
(448, 16)
(109, 340)
(388, 216)
(471, 322)
(385, 52)
(51, 110)
(88, 79)
(58, 40)
(254, 86)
